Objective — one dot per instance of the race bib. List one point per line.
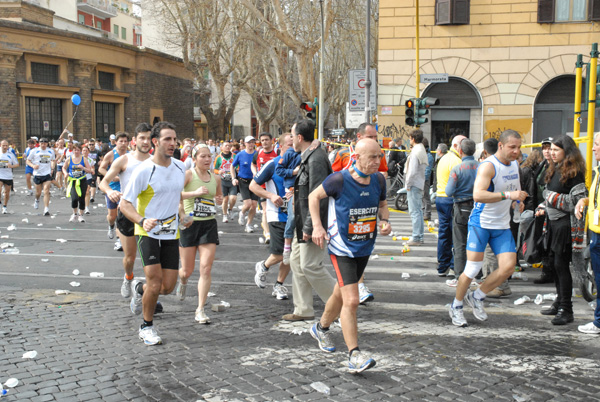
(77, 171)
(203, 208)
(226, 175)
(44, 158)
(3, 164)
(284, 207)
(362, 225)
(166, 226)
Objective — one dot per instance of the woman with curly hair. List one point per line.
(565, 186)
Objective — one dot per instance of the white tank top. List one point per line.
(497, 215)
(124, 176)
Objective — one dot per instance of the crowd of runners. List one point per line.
(163, 196)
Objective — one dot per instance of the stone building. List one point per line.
(511, 64)
(120, 85)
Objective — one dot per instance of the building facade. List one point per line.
(120, 85)
(510, 63)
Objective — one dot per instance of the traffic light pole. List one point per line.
(417, 89)
(368, 65)
(592, 77)
(578, 81)
(320, 114)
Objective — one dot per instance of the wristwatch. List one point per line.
(141, 222)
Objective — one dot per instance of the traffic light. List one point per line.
(311, 110)
(409, 112)
(422, 109)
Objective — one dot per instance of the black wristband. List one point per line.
(141, 222)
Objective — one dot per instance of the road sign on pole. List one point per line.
(434, 78)
(356, 81)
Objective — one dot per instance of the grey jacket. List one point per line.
(314, 168)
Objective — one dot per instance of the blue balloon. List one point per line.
(76, 100)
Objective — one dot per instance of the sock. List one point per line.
(479, 295)
(279, 283)
(287, 248)
(457, 303)
(356, 349)
(146, 324)
(129, 277)
(320, 328)
(139, 288)
(264, 266)
(111, 226)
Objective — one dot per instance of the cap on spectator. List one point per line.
(70, 134)
(113, 137)
(249, 138)
(34, 138)
(547, 140)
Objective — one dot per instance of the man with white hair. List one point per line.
(444, 205)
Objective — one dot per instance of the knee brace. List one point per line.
(472, 268)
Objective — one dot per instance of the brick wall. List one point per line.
(9, 105)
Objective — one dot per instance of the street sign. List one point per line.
(354, 119)
(356, 84)
(434, 78)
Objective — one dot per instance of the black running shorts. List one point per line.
(153, 251)
(245, 190)
(125, 226)
(348, 270)
(276, 230)
(200, 232)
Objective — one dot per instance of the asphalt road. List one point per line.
(88, 347)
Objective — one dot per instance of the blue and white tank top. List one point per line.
(76, 169)
(115, 185)
(497, 215)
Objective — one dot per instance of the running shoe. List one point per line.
(451, 282)
(589, 328)
(181, 288)
(364, 294)
(201, 316)
(225, 219)
(451, 274)
(92, 200)
(29, 192)
(458, 316)
(260, 278)
(241, 219)
(47, 212)
(136, 299)
(158, 308)
(286, 256)
(280, 292)
(267, 238)
(118, 246)
(111, 232)
(249, 229)
(81, 219)
(73, 218)
(87, 211)
(325, 342)
(477, 306)
(230, 215)
(150, 336)
(36, 204)
(359, 362)
(4, 210)
(126, 287)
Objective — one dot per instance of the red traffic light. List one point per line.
(308, 106)
(409, 103)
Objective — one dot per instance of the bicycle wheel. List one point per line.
(588, 285)
(401, 202)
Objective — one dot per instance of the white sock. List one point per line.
(457, 303)
(479, 295)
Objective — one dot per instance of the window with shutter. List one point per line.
(545, 11)
(594, 10)
(442, 12)
(452, 12)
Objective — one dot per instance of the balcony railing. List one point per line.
(99, 8)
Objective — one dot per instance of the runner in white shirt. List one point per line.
(154, 189)
(8, 161)
(41, 160)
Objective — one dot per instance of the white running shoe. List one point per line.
(73, 218)
(4, 210)
(136, 300)
(241, 219)
(201, 316)
(118, 246)
(249, 229)
(280, 292)
(452, 282)
(36, 204)
(126, 287)
(150, 336)
(181, 288)
(359, 362)
(225, 219)
(589, 328)
(260, 278)
(46, 211)
(230, 215)
(29, 192)
(458, 316)
(111, 232)
(87, 211)
(81, 219)
(364, 294)
(477, 306)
